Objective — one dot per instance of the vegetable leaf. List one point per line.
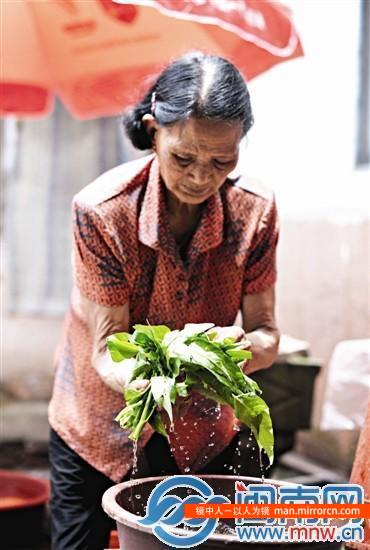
(162, 391)
(157, 332)
(121, 348)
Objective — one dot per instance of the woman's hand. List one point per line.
(231, 332)
(239, 336)
(116, 375)
(222, 332)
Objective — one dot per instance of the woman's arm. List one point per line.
(102, 322)
(103, 286)
(259, 324)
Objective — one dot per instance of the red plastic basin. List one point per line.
(19, 490)
(22, 507)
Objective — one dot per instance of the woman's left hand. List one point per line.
(239, 336)
(232, 332)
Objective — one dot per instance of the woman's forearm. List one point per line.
(102, 322)
(260, 327)
(264, 347)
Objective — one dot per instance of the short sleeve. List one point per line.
(98, 271)
(260, 270)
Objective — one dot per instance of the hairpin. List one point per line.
(152, 103)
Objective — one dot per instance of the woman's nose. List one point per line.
(200, 174)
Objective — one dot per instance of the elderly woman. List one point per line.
(172, 240)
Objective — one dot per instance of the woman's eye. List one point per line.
(222, 163)
(183, 161)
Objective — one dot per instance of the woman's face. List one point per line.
(196, 156)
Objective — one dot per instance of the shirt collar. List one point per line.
(150, 216)
(154, 224)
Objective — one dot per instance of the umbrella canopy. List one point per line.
(96, 55)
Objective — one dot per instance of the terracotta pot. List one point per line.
(126, 501)
(22, 504)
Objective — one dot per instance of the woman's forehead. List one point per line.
(208, 135)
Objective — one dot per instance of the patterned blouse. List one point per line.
(124, 251)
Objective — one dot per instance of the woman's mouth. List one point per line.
(196, 192)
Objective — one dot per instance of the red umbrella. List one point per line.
(97, 54)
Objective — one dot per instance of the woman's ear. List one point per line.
(150, 125)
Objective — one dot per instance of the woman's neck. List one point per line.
(178, 209)
(183, 220)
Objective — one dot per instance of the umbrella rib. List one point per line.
(285, 51)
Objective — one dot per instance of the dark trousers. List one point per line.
(78, 521)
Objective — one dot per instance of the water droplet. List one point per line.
(134, 458)
(187, 469)
(211, 444)
(260, 458)
(181, 447)
(138, 497)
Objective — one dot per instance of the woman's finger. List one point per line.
(228, 332)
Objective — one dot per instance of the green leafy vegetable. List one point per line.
(172, 363)
(120, 347)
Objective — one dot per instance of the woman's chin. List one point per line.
(193, 198)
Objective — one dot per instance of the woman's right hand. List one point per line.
(115, 375)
